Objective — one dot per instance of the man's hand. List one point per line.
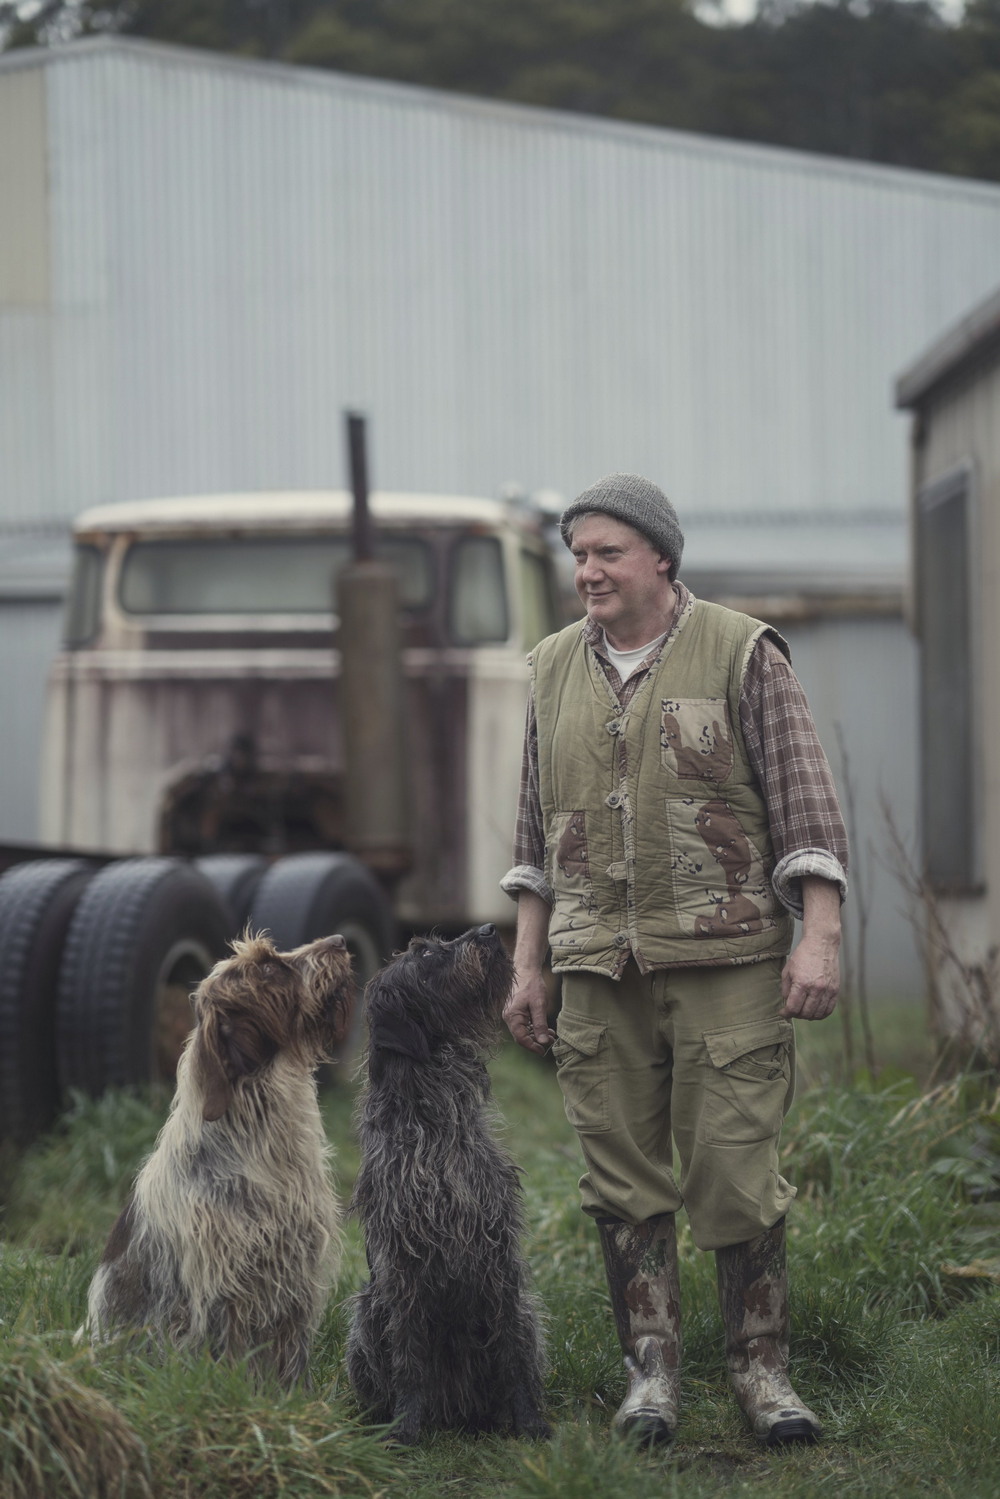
(526, 1012)
(810, 980)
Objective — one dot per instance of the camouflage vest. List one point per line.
(656, 832)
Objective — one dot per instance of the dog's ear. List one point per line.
(225, 1051)
(216, 1088)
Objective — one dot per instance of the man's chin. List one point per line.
(599, 609)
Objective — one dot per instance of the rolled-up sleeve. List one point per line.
(528, 871)
(807, 826)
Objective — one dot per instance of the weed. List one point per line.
(895, 1327)
(59, 1435)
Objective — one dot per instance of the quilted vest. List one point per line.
(656, 831)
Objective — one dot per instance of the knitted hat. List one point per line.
(637, 502)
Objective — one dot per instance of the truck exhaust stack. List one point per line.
(373, 714)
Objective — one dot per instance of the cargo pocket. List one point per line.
(750, 1085)
(583, 1067)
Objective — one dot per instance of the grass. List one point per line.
(899, 1354)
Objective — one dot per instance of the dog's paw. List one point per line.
(405, 1433)
(535, 1429)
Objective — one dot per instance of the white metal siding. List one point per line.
(29, 636)
(860, 676)
(241, 250)
(962, 430)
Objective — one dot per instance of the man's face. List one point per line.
(623, 581)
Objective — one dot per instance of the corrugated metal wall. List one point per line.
(240, 250)
(961, 420)
(29, 636)
(860, 676)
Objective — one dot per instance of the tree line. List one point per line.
(878, 80)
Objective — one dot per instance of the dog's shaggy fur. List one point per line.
(444, 1334)
(230, 1237)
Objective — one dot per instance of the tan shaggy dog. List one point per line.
(229, 1239)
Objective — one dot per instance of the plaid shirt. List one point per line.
(807, 828)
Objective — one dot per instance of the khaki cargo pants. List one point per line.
(697, 1058)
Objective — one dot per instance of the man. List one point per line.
(676, 811)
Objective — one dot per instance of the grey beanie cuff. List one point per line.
(637, 502)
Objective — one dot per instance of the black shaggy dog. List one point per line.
(444, 1334)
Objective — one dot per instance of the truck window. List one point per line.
(537, 603)
(477, 599)
(258, 574)
(83, 605)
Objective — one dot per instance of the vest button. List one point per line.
(614, 727)
(621, 940)
(614, 800)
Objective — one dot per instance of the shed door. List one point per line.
(944, 615)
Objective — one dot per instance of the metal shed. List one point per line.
(204, 259)
(953, 391)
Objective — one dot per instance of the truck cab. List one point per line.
(194, 706)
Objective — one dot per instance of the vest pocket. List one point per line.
(571, 923)
(720, 886)
(583, 1067)
(696, 740)
(750, 1086)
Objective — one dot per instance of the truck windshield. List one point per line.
(258, 574)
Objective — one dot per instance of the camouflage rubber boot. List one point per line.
(641, 1266)
(753, 1295)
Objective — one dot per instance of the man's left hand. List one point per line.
(810, 980)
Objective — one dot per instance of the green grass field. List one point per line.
(899, 1354)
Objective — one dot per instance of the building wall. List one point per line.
(29, 637)
(960, 426)
(238, 251)
(860, 676)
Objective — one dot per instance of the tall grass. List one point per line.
(897, 1352)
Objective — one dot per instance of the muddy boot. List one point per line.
(753, 1295)
(641, 1266)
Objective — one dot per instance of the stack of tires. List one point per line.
(97, 964)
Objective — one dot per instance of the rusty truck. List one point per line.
(198, 774)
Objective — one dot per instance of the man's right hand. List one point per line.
(526, 1014)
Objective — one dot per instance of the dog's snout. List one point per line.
(337, 941)
(488, 930)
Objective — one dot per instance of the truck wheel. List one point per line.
(144, 935)
(37, 900)
(235, 877)
(305, 896)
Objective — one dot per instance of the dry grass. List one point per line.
(60, 1436)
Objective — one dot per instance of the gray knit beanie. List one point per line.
(637, 502)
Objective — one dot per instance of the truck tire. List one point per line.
(143, 936)
(310, 895)
(37, 901)
(235, 877)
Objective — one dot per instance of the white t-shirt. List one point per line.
(626, 662)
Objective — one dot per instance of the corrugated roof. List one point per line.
(967, 341)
